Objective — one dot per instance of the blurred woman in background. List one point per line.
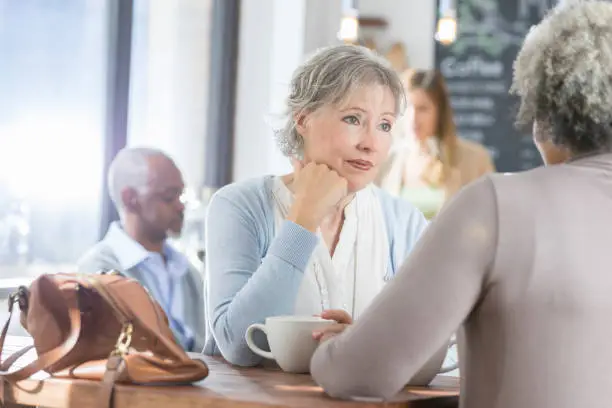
(431, 162)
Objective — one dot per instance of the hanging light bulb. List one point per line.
(446, 30)
(349, 29)
(349, 25)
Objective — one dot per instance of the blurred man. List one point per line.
(146, 187)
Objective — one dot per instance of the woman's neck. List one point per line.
(423, 146)
(331, 226)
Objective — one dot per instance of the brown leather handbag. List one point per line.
(98, 327)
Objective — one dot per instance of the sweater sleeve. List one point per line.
(242, 287)
(417, 312)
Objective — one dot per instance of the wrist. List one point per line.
(300, 215)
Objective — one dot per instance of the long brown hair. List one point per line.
(434, 85)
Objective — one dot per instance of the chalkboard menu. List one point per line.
(478, 71)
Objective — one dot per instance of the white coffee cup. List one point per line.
(290, 340)
(434, 367)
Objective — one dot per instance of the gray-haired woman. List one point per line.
(322, 239)
(521, 261)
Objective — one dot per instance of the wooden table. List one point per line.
(226, 387)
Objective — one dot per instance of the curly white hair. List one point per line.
(563, 75)
(328, 77)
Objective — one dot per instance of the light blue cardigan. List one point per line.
(254, 272)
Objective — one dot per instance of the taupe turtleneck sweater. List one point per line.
(524, 263)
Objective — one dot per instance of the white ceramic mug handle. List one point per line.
(451, 367)
(249, 339)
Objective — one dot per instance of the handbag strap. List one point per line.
(46, 359)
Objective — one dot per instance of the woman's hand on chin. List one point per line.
(316, 190)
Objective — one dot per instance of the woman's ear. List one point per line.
(301, 123)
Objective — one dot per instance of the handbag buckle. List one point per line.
(124, 340)
(20, 296)
(13, 298)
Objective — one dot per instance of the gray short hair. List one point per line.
(328, 77)
(130, 169)
(563, 75)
